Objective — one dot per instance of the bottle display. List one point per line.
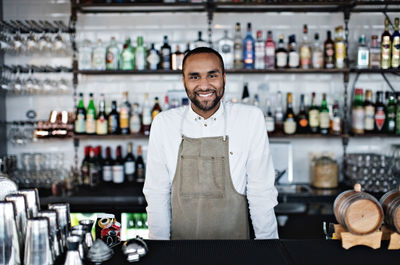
(153, 58)
(135, 121)
(362, 53)
(380, 112)
(200, 42)
(279, 113)
(98, 56)
(302, 117)
(146, 115)
(269, 118)
(156, 109)
(374, 53)
(113, 119)
(336, 122)
(108, 163)
(177, 59)
(127, 56)
(391, 114)
(398, 114)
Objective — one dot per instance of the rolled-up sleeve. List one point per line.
(261, 192)
(157, 186)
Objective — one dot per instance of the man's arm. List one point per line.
(261, 192)
(157, 186)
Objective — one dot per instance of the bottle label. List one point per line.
(329, 56)
(317, 59)
(107, 173)
(260, 56)
(269, 57)
(369, 119)
(166, 55)
(385, 52)
(124, 118)
(269, 123)
(112, 60)
(281, 59)
(396, 52)
(363, 58)
(112, 123)
(101, 126)
(90, 123)
(303, 123)
(305, 56)
(98, 61)
(153, 59)
(118, 173)
(140, 59)
(336, 125)
(146, 118)
(140, 173)
(380, 119)
(127, 60)
(129, 167)
(313, 116)
(293, 59)
(358, 119)
(324, 120)
(154, 114)
(340, 54)
(85, 59)
(248, 57)
(80, 123)
(94, 175)
(135, 124)
(289, 126)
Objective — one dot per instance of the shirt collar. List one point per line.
(216, 116)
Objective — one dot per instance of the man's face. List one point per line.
(204, 82)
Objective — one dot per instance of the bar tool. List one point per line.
(9, 245)
(37, 242)
(32, 201)
(73, 257)
(54, 232)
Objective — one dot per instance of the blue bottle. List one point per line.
(248, 49)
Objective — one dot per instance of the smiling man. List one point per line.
(209, 163)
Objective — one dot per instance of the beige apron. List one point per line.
(205, 204)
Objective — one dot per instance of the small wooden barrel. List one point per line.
(390, 202)
(359, 212)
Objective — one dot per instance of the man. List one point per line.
(209, 162)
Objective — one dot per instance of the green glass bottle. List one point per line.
(398, 114)
(357, 112)
(324, 119)
(80, 119)
(91, 116)
(391, 115)
(127, 56)
(140, 54)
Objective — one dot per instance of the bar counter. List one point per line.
(257, 252)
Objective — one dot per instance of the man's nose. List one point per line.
(204, 82)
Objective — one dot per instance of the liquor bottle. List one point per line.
(380, 112)
(124, 114)
(113, 119)
(91, 116)
(200, 42)
(269, 118)
(102, 123)
(374, 53)
(140, 167)
(177, 59)
(85, 181)
(225, 47)
(269, 51)
(127, 56)
(336, 122)
(362, 53)
(289, 122)
(293, 61)
(94, 168)
(358, 112)
(302, 119)
(324, 119)
(135, 121)
(398, 114)
(279, 113)
(129, 165)
(100, 161)
(317, 53)
(340, 48)
(140, 54)
(98, 56)
(281, 54)
(80, 119)
(112, 55)
(391, 115)
(259, 51)
(248, 49)
(313, 115)
(107, 166)
(396, 45)
(118, 167)
(153, 58)
(238, 48)
(166, 55)
(156, 109)
(187, 48)
(305, 50)
(246, 94)
(369, 112)
(386, 43)
(146, 116)
(329, 52)
(85, 56)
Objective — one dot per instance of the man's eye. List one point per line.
(194, 77)
(212, 76)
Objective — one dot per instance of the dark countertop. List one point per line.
(254, 252)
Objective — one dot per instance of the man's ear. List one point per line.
(224, 78)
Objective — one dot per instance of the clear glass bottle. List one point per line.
(269, 118)
(146, 115)
(140, 54)
(85, 55)
(177, 59)
(269, 51)
(362, 53)
(135, 121)
(336, 122)
(238, 48)
(317, 53)
(112, 55)
(279, 113)
(248, 49)
(374, 53)
(225, 47)
(124, 114)
(259, 51)
(98, 56)
(305, 50)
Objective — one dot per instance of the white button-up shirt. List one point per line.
(250, 162)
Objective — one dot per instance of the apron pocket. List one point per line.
(202, 177)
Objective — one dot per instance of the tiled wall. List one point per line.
(181, 28)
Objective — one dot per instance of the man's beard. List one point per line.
(206, 106)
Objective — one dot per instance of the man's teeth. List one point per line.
(205, 95)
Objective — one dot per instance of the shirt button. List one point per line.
(205, 124)
(231, 153)
(215, 119)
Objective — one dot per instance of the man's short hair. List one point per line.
(203, 50)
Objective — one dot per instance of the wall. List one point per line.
(183, 27)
